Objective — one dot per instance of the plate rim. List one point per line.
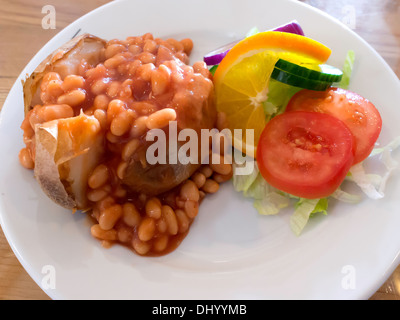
(33, 273)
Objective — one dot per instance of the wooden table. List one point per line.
(22, 35)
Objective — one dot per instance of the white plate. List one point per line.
(231, 252)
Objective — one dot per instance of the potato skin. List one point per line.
(86, 45)
(46, 171)
(67, 151)
(65, 60)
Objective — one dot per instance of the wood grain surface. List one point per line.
(22, 35)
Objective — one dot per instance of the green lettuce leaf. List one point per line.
(347, 70)
(279, 95)
(304, 209)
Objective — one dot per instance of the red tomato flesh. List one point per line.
(359, 114)
(306, 154)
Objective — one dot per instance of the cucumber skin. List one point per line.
(327, 74)
(296, 81)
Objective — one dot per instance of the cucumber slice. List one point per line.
(300, 82)
(324, 72)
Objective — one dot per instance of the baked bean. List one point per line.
(189, 191)
(25, 158)
(112, 138)
(98, 177)
(113, 89)
(115, 107)
(148, 36)
(115, 61)
(98, 194)
(183, 57)
(98, 232)
(191, 208)
(180, 203)
(161, 225)
(220, 178)
(170, 218)
(176, 45)
(72, 82)
(210, 186)
(105, 203)
(72, 98)
(141, 247)
(53, 90)
(49, 76)
(153, 208)
(50, 112)
(121, 169)
(199, 179)
(98, 87)
(121, 123)
(115, 41)
(110, 216)
(201, 67)
(133, 66)
(150, 46)
(218, 164)
(143, 107)
(207, 171)
(124, 234)
(120, 192)
(101, 101)
(160, 243)
(187, 45)
(126, 90)
(202, 195)
(114, 49)
(183, 221)
(129, 149)
(100, 71)
(146, 229)
(147, 58)
(145, 70)
(160, 79)
(161, 118)
(135, 49)
(106, 244)
(131, 215)
(123, 68)
(139, 127)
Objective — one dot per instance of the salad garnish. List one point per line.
(299, 86)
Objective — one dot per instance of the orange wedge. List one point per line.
(242, 79)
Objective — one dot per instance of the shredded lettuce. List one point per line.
(269, 200)
(279, 95)
(372, 184)
(346, 197)
(252, 32)
(347, 70)
(304, 209)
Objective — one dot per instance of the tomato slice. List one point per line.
(359, 114)
(306, 154)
